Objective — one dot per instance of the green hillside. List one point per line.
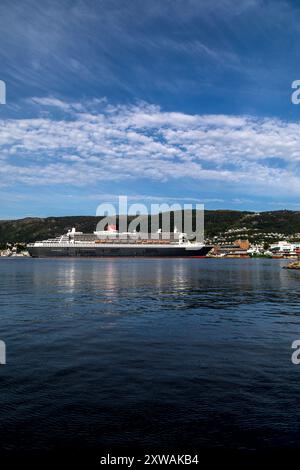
(216, 222)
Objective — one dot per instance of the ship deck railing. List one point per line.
(103, 243)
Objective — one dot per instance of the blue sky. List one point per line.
(161, 100)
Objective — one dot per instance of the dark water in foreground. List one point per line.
(149, 352)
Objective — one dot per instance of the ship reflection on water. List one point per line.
(148, 352)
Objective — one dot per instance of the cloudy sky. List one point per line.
(161, 100)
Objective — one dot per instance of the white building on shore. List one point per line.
(284, 247)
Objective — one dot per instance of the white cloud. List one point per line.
(100, 142)
(48, 101)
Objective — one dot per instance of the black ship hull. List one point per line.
(101, 252)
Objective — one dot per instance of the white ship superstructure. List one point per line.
(113, 243)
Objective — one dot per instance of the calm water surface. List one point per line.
(149, 352)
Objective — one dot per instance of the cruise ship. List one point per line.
(112, 243)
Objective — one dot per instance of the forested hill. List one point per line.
(216, 222)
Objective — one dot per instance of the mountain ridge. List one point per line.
(30, 229)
